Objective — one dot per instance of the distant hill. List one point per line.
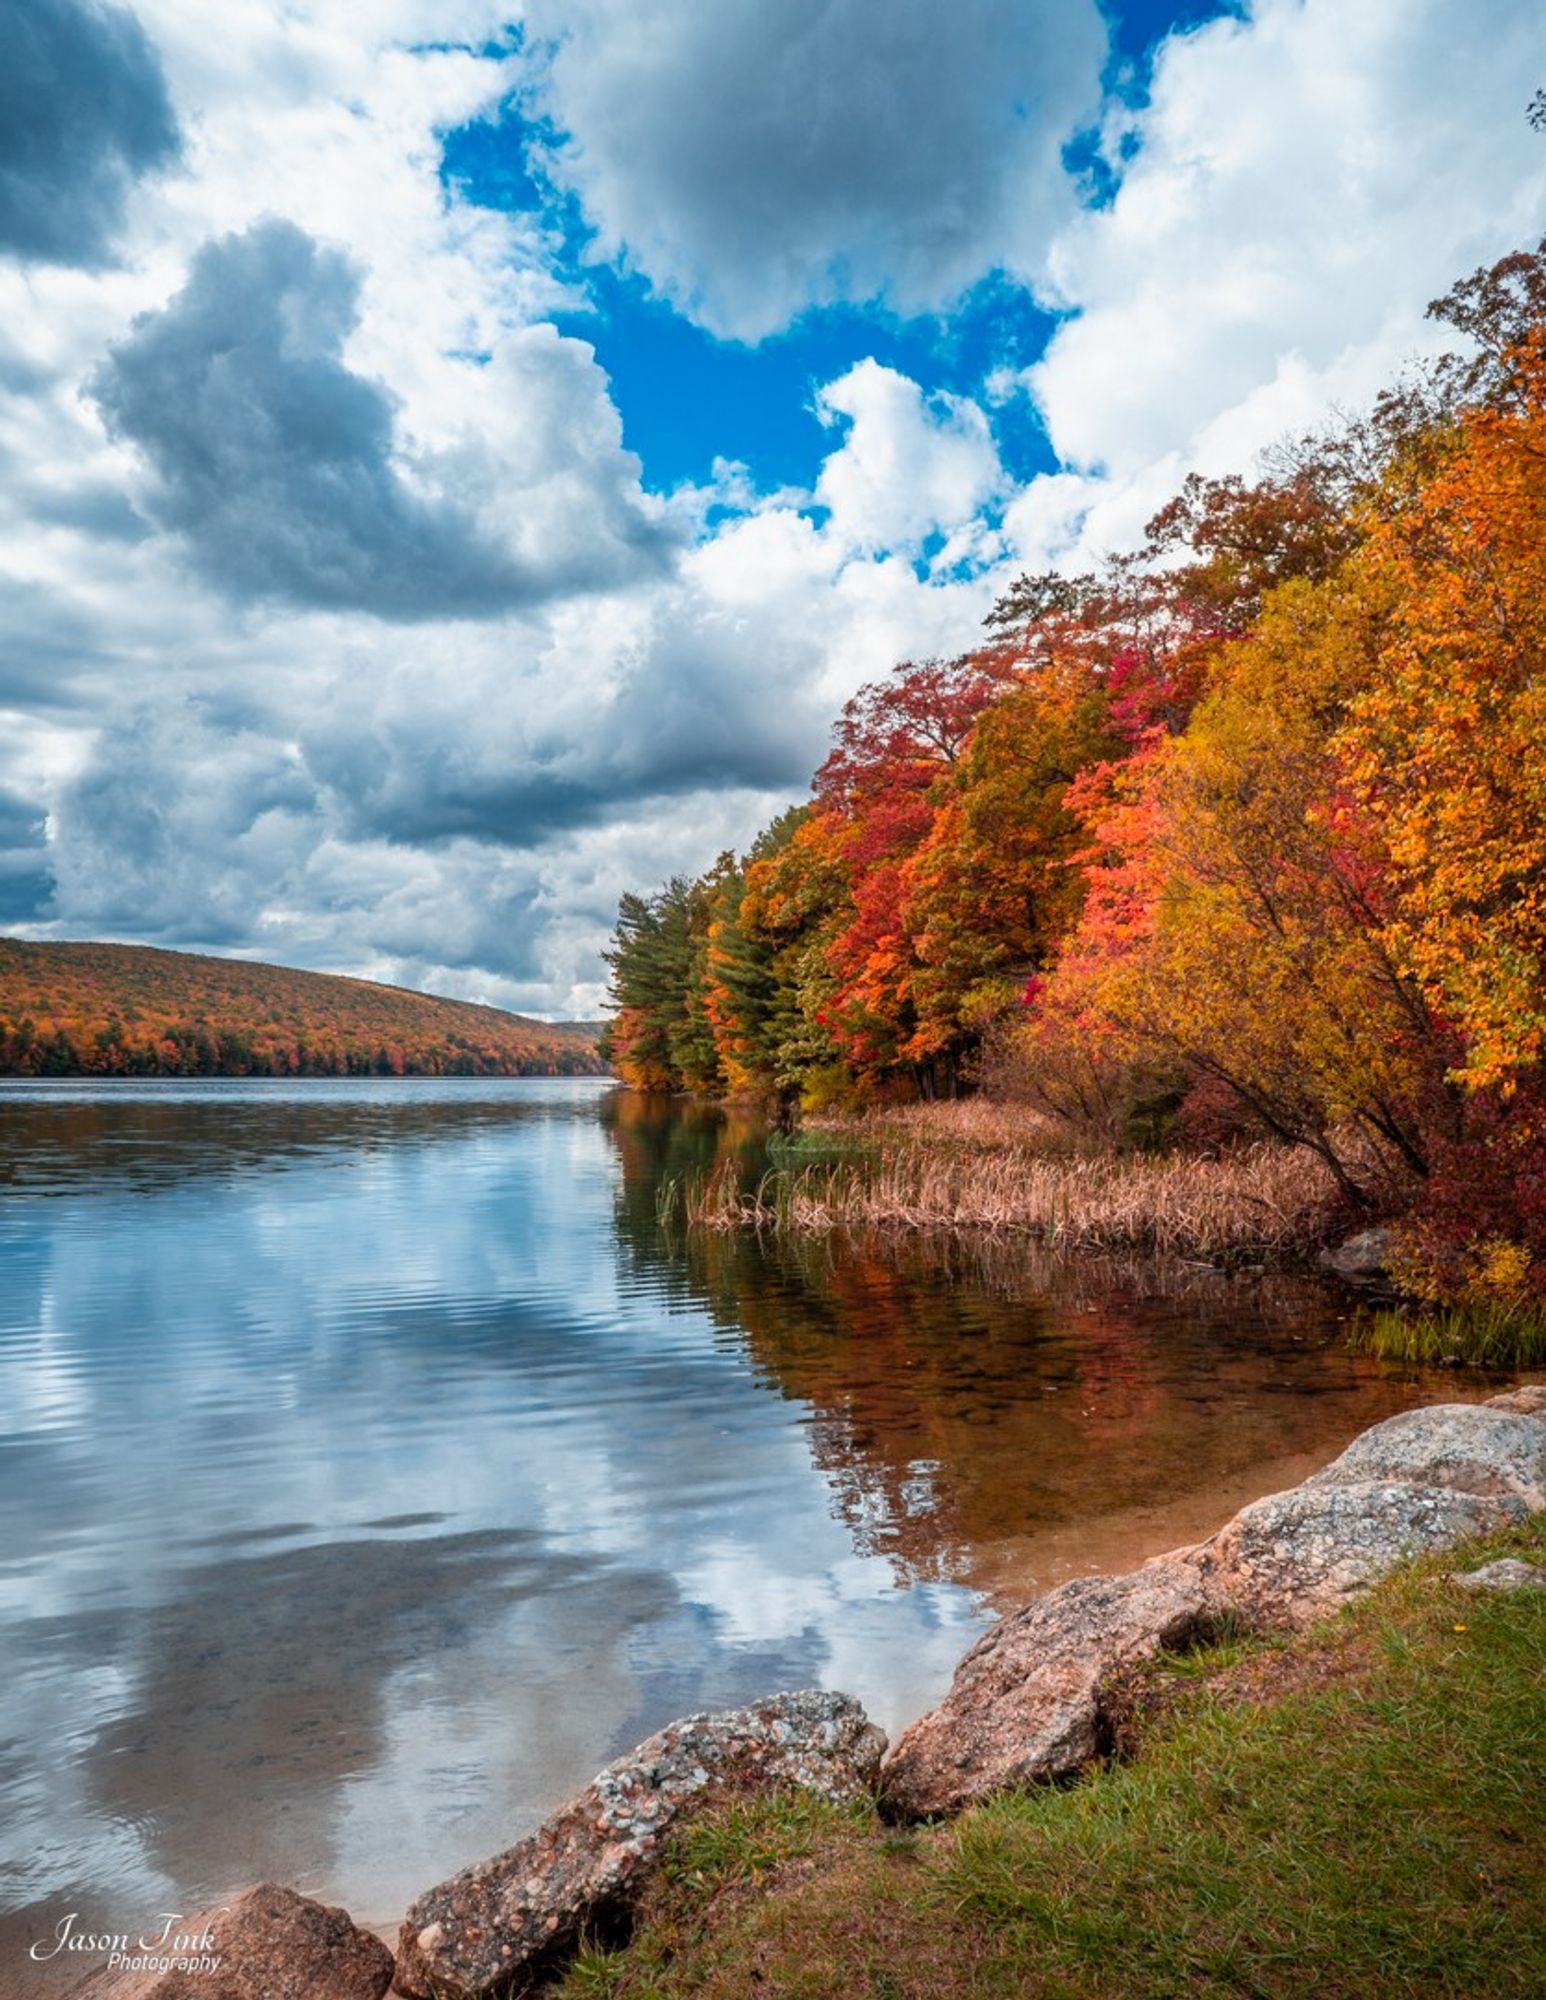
(131, 1010)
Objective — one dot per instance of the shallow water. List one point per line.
(374, 1468)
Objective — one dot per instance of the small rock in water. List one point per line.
(1363, 1259)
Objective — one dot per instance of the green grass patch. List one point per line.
(1359, 1813)
(1492, 1334)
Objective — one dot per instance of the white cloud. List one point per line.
(459, 802)
(758, 158)
(1305, 181)
(910, 465)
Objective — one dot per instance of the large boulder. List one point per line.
(496, 1926)
(1466, 1447)
(1295, 1557)
(1414, 1484)
(266, 1944)
(1025, 1704)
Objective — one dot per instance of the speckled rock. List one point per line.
(1529, 1399)
(1025, 1704)
(268, 1943)
(1508, 1573)
(1466, 1447)
(496, 1926)
(1295, 1557)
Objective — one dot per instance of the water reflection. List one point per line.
(997, 1416)
(374, 1468)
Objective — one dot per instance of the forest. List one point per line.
(1238, 840)
(132, 1010)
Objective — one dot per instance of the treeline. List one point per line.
(130, 1010)
(1243, 833)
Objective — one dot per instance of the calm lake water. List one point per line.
(374, 1468)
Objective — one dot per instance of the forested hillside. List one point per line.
(1240, 834)
(129, 1010)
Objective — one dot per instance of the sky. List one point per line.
(456, 458)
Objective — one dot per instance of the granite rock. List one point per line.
(267, 1943)
(1025, 1705)
(1465, 1447)
(1293, 1558)
(1507, 1573)
(499, 1925)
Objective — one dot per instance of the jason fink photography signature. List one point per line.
(168, 1950)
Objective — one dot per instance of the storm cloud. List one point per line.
(84, 113)
(281, 469)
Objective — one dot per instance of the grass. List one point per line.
(1260, 1199)
(1358, 1812)
(1494, 1333)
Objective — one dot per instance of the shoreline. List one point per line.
(1531, 1401)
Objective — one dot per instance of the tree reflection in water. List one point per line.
(987, 1412)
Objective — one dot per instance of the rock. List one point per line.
(1295, 1557)
(1027, 1701)
(1025, 1704)
(1466, 1447)
(1508, 1573)
(1529, 1399)
(1363, 1259)
(497, 1925)
(268, 1943)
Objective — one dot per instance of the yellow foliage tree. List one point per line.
(1446, 744)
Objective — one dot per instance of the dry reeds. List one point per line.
(1261, 1199)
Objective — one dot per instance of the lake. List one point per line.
(375, 1467)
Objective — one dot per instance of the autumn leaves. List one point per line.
(1252, 823)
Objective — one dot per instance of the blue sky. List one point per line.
(458, 456)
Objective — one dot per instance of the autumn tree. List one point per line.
(1447, 743)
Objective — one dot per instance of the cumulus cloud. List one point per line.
(911, 466)
(1304, 181)
(169, 826)
(84, 113)
(186, 825)
(720, 682)
(758, 158)
(353, 640)
(281, 469)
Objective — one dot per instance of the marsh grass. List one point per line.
(1258, 1200)
(1374, 1823)
(1493, 1333)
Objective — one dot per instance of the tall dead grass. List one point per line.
(1260, 1199)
